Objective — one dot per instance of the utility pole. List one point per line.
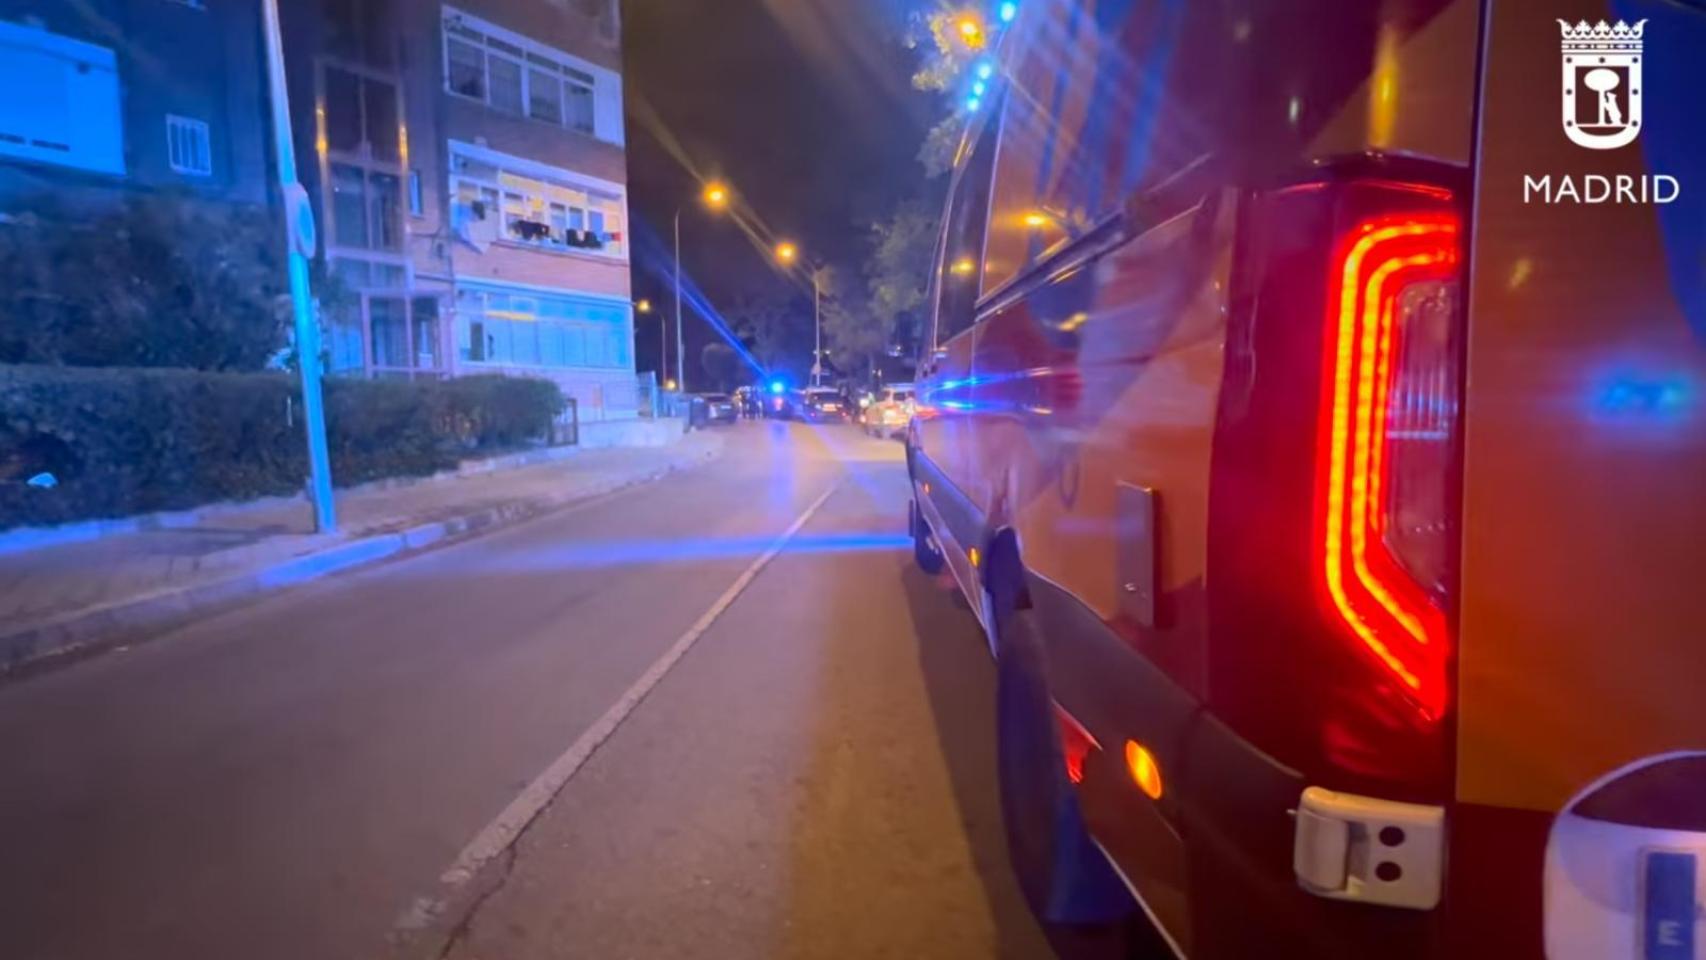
(302, 243)
(817, 325)
(680, 350)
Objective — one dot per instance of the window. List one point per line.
(361, 116)
(390, 335)
(349, 206)
(542, 331)
(187, 146)
(512, 73)
(1080, 136)
(958, 263)
(560, 213)
(385, 213)
(544, 96)
(467, 68)
(505, 84)
(380, 126)
(366, 209)
(417, 202)
(70, 114)
(580, 107)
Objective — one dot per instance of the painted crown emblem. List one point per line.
(1603, 36)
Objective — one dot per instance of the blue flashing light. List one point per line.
(1007, 11)
(972, 103)
(776, 386)
(979, 87)
(985, 70)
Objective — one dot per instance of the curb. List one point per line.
(85, 633)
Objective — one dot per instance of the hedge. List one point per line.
(127, 441)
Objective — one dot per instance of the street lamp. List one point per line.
(787, 254)
(715, 197)
(644, 306)
(970, 28)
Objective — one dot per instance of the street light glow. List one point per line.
(1036, 220)
(669, 384)
(963, 267)
(970, 29)
(643, 306)
(716, 196)
(787, 252)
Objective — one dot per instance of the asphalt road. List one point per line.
(813, 777)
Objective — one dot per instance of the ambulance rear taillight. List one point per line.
(1333, 530)
(1386, 440)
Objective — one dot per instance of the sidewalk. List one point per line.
(74, 597)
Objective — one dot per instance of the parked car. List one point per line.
(821, 405)
(862, 401)
(720, 408)
(1328, 472)
(889, 414)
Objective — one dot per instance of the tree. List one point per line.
(775, 330)
(897, 270)
(897, 274)
(721, 364)
(853, 336)
(946, 59)
(152, 281)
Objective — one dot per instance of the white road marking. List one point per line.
(497, 836)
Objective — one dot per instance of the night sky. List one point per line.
(804, 107)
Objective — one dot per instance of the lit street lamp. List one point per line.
(787, 254)
(644, 306)
(715, 197)
(970, 28)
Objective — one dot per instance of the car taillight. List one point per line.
(1333, 515)
(1386, 443)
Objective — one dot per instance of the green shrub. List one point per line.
(127, 441)
(494, 412)
(162, 280)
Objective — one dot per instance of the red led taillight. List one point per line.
(1387, 445)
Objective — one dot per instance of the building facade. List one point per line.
(102, 97)
(468, 166)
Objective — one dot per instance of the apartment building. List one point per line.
(468, 164)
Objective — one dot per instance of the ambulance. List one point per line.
(1313, 414)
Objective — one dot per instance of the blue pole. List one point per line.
(302, 242)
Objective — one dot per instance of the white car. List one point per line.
(891, 411)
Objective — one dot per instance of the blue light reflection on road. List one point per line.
(592, 555)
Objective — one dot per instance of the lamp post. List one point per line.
(715, 196)
(643, 306)
(301, 243)
(788, 254)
